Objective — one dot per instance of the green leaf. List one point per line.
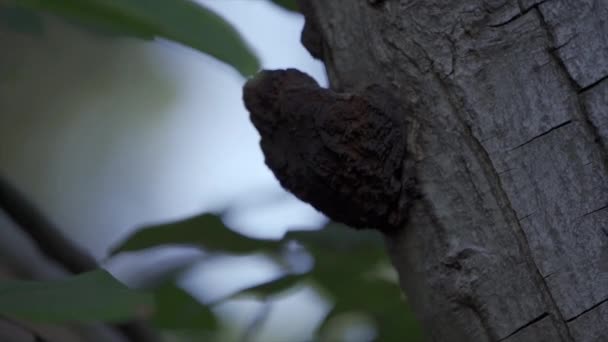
(183, 21)
(206, 231)
(382, 302)
(178, 310)
(88, 297)
(287, 4)
(337, 247)
(273, 287)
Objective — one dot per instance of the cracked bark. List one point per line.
(507, 129)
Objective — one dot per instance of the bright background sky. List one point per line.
(127, 132)
(107, 135)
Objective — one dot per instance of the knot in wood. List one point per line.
(339, 152)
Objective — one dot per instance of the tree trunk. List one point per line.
(508, 128)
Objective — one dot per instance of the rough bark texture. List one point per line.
(508, 128)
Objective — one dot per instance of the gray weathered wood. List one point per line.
(509, 128)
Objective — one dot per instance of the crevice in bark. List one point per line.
(555, 49)
(525, 217)
(528, 8)
(530, 323)
(511, 215)
(523, 11)
(582, 113)
(595, 211)
(550, 275)
(542, 134)
(590, 309)
(593, 85)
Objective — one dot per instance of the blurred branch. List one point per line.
(51, 242)
(48, 238)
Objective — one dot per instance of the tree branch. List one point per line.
(52, 243)
(48, 238)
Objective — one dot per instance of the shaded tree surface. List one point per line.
(508, 127)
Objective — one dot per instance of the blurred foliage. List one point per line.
(182, 21)
(87, 297)
(213, 237)
(287, 4)
(97, 296)
(345, 259)
(21, 19)
(177, 310)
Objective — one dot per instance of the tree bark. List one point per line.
(508, 131)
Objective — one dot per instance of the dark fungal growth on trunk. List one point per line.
(342, 153)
